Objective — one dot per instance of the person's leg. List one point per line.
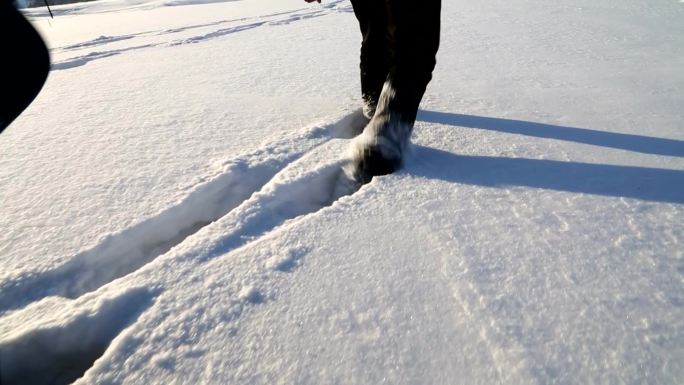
(372, 18)
(414, 29)
(24, 66)
(413, 38)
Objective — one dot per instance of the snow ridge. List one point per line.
(291, 193)
(252, 194)
(304, 187)
(60, 351)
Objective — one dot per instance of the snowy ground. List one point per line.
(166, 212)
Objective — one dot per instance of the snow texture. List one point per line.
(174, 207)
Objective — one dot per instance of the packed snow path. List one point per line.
(168, 212)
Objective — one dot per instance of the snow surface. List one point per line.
(168, 213)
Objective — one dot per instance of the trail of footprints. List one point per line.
(251, 195)
(243, 24)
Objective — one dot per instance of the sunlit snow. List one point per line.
(169, 215)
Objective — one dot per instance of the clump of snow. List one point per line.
(251, 295)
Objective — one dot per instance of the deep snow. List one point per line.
(168, 213)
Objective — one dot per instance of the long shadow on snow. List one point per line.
(637, 143)
(649, 184)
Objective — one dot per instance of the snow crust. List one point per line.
(170, 215)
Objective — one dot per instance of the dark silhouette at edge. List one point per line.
(24, 65)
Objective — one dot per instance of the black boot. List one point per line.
(379, 150)
(400, 41)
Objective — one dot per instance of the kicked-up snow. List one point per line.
(171, 209)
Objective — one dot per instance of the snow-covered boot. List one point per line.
(380, 149)
(369, 106)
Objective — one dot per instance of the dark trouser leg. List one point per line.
(24, 66)
(372, 17)
(412, 31)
